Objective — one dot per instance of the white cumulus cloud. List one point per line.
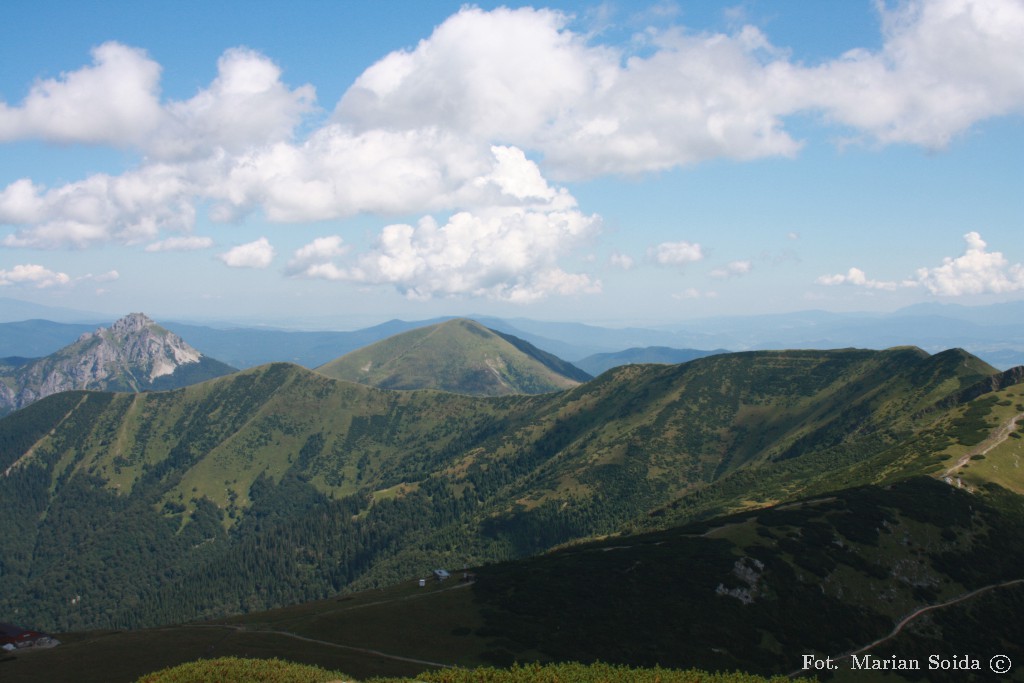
(523, 76)
(676, 253)
(620, 260)
(245, 107)
(976, 271)
(184, 243)
(316, 259)
(129, 209)
(508, 254)
(694, 293)
(453, 126)
(733, 269)
(34, 275)
(258, 254)
(491, 75)
(108, 276)
(115, 101)
(944, 66)
(857, 277)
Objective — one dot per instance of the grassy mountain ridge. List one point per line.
(460, 356)
(277, 484)
(825, 572)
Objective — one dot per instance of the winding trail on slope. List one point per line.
(239, 628)
(914, 615)
(353, 648)
(997, 437)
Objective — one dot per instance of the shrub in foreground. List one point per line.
(237, 670)
(573, 672)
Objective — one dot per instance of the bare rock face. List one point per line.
(130, 355)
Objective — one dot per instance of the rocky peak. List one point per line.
(133, 354)
(130, 355)
(133, 323)
(143, 348)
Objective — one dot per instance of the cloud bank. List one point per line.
(473, 128)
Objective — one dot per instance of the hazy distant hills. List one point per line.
(38, 338)
(600, 362)
(460, 356)
(995, 333)
(13, 310)
(278, 484)
(133, 354)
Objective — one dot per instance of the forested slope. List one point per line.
(277, 484)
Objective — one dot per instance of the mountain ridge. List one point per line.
(319, 485)
(991, 332)
(457, 355)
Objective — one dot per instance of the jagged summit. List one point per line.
(133, 354)
(131, 324)
(142, 345)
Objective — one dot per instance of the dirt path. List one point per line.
(237, 628)
(994, 439)
(918, 612)
(363, 650)
(914, 615)
(240, 628)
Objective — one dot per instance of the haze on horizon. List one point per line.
(593, 162)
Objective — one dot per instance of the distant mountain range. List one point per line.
(995, 333)
(133, 354)
(601, 362)
(460, 356)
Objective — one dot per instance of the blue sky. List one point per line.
(614, 162)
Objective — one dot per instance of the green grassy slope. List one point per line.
(754, 590)
(460, 356)
(277, 484)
